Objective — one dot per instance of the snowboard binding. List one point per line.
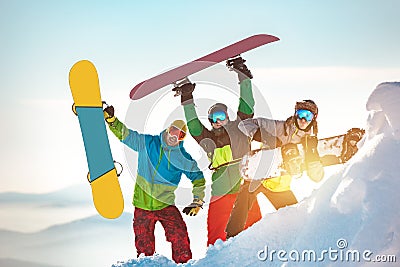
(292, 160)
(351, 139)
(354, 134)
(118, 172)
(237, 64)
(74, 107)
(177, 86)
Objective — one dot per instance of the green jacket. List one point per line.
(224, 146)
(160, 168)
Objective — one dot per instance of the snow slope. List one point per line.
(352, 218)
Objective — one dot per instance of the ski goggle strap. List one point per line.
(305, 114)
(217, 115)
(173, 131)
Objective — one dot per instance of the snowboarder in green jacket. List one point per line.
(224, 145)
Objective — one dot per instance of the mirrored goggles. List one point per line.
(173, 131)
(305, 114)
(217, 115)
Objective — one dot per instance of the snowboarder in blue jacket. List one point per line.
(162, 160)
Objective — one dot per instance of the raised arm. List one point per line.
(129, 137)
(246, 100)
(196, 128)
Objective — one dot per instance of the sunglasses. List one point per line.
(217, 115)
(173, 131)
(305, 114)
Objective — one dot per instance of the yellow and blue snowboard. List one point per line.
(106, 191)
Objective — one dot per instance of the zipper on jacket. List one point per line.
(169, 158)
(295, 132)
(154, 175)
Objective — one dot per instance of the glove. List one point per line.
(289, 152)
(313, 163)
(237, 64)
(186, 92)
(292, 161)
(194, 207)
(109, 114)
(310, 144)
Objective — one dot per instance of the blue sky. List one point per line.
(130, 41)
(145, 37)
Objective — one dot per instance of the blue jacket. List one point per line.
(160, 168)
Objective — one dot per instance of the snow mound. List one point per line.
(383, 104)
(353, 217)
(153, 261)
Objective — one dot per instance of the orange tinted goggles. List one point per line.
(173, 131)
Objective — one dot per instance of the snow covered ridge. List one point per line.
(384, 107)
(353, 218)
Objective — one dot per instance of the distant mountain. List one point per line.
(25, 212)
(93, 241)
(74, 195)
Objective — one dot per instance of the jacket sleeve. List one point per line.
(269, 126)
(129, 137)
(194, 124)
(250, 126)
(246, 100)
(198, 188)
(196, 176)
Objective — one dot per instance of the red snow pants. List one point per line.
(144, 222)
(219, 212)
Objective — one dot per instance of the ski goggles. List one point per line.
(305, 114)
(217, 115)
(178, 133)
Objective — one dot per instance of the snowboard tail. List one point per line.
(107, 195)
(103, 178)
(169, 77)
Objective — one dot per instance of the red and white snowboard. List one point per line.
(177, 74)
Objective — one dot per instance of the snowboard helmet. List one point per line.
(218, 107)
(311, 106)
